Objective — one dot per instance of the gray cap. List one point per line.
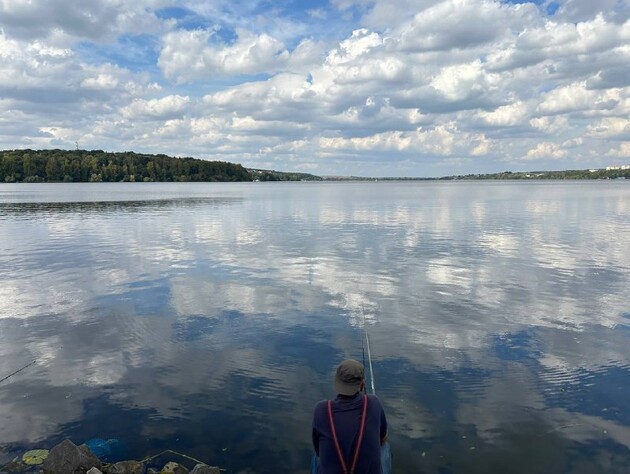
(348, 378)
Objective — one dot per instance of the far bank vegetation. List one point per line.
(40, 166)
(98, 166)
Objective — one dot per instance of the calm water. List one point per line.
(208, 318)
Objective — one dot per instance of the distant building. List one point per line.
(622, 167)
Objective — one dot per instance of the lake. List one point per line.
(208, 318)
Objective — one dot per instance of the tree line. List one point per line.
(565, 174)
(33, 166)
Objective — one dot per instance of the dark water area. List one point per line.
(208, 319)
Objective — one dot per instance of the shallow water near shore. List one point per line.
(208, 319)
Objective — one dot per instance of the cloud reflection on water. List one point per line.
(224, 310)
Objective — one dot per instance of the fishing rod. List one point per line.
(366, 337)
(17, 371)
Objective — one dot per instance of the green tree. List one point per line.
(8, 168)
(53, 169)
(95, 165)
(151, 171)
(29, 165)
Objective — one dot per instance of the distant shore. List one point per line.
(97, 166)
(589, 174)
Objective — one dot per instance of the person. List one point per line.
(350, 431)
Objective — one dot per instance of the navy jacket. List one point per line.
(347, 416)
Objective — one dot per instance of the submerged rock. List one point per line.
(174, 468)
(14, 466)
(68, 458)
(126, 467)
(204, 469)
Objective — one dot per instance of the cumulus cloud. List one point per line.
(576, 97)
(550, 124)
(459, 82)
(506, 115)
(97, 19)
(622, 152)
(441, 140)
(360, 43)
(190, 55)
(444, 26)
(167, 107)
(581, 10)
(456, 79)
(187, 55)
(546, 150)
(100, 81)
(609, 127)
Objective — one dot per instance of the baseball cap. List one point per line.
(348, 377)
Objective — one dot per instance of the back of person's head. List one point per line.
(348, 377)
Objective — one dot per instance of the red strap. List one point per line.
(357, 449)
(361, 434)
(335, 440)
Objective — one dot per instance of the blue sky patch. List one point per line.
(133, 52)
(552, 8)
(536, 2)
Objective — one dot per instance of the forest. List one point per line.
(41, 166)
(618, 173)
(38, 166)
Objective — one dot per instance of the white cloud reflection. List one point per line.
(441, 275)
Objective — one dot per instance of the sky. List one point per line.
(342, 87)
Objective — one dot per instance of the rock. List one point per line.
(68, 458)
(16, 466)
(94, 471)
(152, 470)
(204, 469)
(174, 468)
(126, 467)
(25, 470)
(13, 467)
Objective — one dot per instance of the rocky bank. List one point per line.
(68, 458)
